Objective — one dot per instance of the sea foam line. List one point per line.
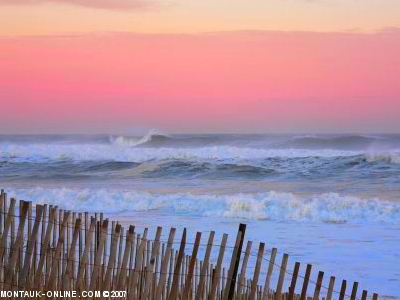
(85, 152)
(326, 208)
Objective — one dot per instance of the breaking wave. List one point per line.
(115, 152)
(344, 142)
(391, 157)
(326, 208)
(152, 137)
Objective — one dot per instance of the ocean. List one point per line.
(329, 200)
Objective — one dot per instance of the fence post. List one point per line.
(218, 267)
(354, 291)
(233, 269)
(85, 256)
(294, 280)
(43, 249)
(364, 295)
(242, 273)
(7, 226)
(2, 200)
(192, 263)
(10, 268)
(28, 255)
(99, 254)
(2, 217)
(128, 244)
(151, 266)
(175, 280)
(257, 271)
(164, 265)
(71, 254)
(54, 267)
(305, 282)
(330, 288)
(200, 287)
(318, 285)
(111, 259)
(269, 273)
(343, 290)
(135, 275)
(281, 276)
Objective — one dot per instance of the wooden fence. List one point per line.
(46, 249)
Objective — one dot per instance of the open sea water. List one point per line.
(329, 200)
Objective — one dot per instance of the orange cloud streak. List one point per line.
(106, 4)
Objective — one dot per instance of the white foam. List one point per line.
(328, 207)
(388, 157)
(135, 141)
(116, 152)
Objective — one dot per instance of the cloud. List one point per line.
(102, 4)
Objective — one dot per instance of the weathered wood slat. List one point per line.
(9, 273)
(7, 227)
(330, 288)
(128, 244)
(2, 200)
(164, 265)
(343, 290)
(192, 263)
(174, 288)
(242, 274)
(82, 269)
(257, 271)
(364, 295)
(216, 278)
(318, 285)
(67, 277)
(234, 265)
(200, 287)
(99, 254)
(57, 254)
(282, 272)
(305, 282)
(113, 252)
(354, 291)
(269, 274)
(292, 287)
(29, 251)
(44, 248)
(133, 279)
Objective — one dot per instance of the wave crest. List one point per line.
(391, 157)
(129, 141)
(344, 142)
(325, 208)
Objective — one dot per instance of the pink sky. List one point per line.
(227, 81)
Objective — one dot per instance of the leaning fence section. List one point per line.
(47, 249)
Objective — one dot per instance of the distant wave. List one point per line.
(170, 168)
(151, 138)
(220, 162)
(344, 142)
(388, 157)
(104, 152)
(325, 208)
(310, 142)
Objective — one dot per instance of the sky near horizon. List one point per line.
(92, 66)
